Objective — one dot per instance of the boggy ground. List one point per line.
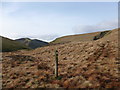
(90, 64)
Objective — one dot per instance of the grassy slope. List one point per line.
(75, 38)
(11, 45)
(81, 65)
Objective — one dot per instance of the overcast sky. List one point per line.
(49, 20)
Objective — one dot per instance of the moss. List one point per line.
(101, 35)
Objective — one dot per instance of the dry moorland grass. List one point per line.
(89, 64)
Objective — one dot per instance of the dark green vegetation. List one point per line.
(101, 35)
(32, 43)
(11, 45)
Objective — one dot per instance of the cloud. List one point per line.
(47, 37)
(104, 25)
(19, 28)
(19, 21)
(8, 8)
(33, 24)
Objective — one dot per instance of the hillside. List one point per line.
(11, 45)
(88, 64)
(80, 37)
(32, 43)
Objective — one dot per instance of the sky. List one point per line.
(49, 20)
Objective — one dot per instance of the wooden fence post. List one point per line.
(56, 63)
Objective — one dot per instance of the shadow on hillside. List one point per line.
(22, 58)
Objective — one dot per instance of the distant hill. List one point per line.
(32, 43)
(10, 45)
(80, 37)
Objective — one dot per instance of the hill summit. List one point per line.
(32, 43)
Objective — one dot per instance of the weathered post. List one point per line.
(56, 63)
